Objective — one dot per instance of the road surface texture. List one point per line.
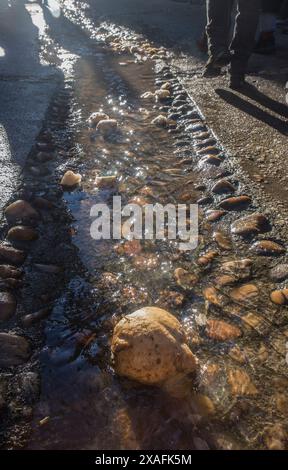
(26, 88)
(62, 291)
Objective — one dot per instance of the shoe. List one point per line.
(237, 82)
(222, 59)
(211, 71)
(214, 65)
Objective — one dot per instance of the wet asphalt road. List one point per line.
(26, 87)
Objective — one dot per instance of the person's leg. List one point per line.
(218, 26)
(244, 38)
(218, 29)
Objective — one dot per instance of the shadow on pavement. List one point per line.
(27, 85)
(266, 101)
(251, 109)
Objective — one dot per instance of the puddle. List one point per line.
(87, 406)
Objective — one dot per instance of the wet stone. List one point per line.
(239, 268)
(20, 210)
(212, 296)
(223, 186)
(174, 116)
(70, 179)
(205, 200)
(149, 346)
(170, 299)
(275, 437)
(181, 96)
(107, 126)
(250, 225)
(210, 160)
(48, 268)
(7, 271)
(281, 403)
(192, 114)
(244, 293)
(202, 405)
(279, 297)
(262, 353)
(200, 187)
(202, 136)
(42, 204)
(185, 279)
(11, 255)
(162, 95)
(7, 306)
(279, 273)
(222, 240)
(97, 117)
(148, 95)
(175, 130)
(207, 258)
(240, 383)
(105, 181)
(214, 215)
(129, 248)
(205, 143)
(39, 171)
(182, 143)
(184, 108)
(225, 280)
(222, 331)
(166, 86)
(35, 317)
(160, 121)
(14, 350)
(196, 128)
(210, 150)
(10, 283)
(178, 102)
(237, 355)
(22, 233)
(251, 320)
(45, 156)
(235, 203)
(267, 248)
(163, 109)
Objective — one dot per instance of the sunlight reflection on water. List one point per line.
(54, 7)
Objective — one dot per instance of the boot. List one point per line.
(214, 65)
(237, 82)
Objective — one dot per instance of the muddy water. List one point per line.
(88, 407)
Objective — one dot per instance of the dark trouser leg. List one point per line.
(218, 26)
(244, 34)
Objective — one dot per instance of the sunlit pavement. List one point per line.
(26, 87)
